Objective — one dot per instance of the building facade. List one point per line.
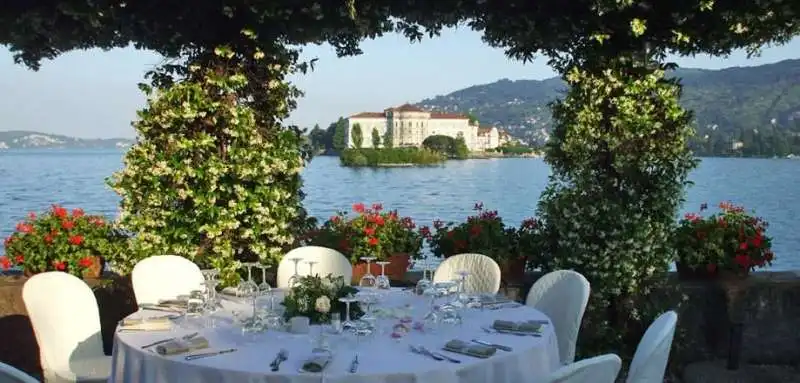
(409, 126)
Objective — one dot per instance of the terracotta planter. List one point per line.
(395, 270)
(96, 270)
(512, 272)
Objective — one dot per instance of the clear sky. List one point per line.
(94, 93)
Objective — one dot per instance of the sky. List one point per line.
(93, 94)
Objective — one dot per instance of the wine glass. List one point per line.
(311, 267)
(265, 289)
(382, 281)
(295, 278)
(348, 324)
(248, 289)
(367, 280)
(425, 283)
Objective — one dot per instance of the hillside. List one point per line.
(17, 139)
(728, 104)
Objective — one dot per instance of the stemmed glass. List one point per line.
(348, 324)
(425, 283)
(462, 298)
(367, 280)
(295, 278)
(311, 267)
(265, 289)
(382, 280)
(248, 289)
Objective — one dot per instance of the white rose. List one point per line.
(323, 304)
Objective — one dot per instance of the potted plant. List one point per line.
(482, 233)
(317, 297)
(728, 242)
(528, 246)
(371, 232)
(61, 240)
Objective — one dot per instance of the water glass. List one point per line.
(336, 323)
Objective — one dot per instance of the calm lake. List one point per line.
(32, 180)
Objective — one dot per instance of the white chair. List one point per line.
(329, 261)
(9, 374)
(650, 360)
(562, 295)
(600, 369)
(164, 277)
(66, 321)
(484, 272)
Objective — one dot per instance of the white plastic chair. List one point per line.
(650, 360)
(600, 369)
(66, 321)
(484, 272)
(329, 261)
(164, 277)
(562, 295)
(9, 374)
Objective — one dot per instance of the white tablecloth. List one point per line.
(382, 359)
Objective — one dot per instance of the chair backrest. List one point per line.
(600, 369)
(650, 360)
(329, 261)
(65, 318)
(484, 272)
(164, 277)
(562, 295)
(9, 374)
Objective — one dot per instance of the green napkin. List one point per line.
(477, 350)
(317, 362)
(529, 326)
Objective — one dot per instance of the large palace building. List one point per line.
(410, 125)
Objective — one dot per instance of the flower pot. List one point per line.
(700, 273)
(512, 271)
(96, 269)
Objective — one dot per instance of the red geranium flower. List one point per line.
(86, 262)
(77, 213)
(59, 211)
(60, 265)
(76, 240)
(5, 264)
(67, 225)
(373, 241)
(358, 207)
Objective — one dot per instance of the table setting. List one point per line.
(321, 329)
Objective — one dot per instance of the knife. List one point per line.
(495, 345)
(207, 354)
(185, 337)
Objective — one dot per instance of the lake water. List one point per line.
(32, 180)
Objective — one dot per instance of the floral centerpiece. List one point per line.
(371, 232)
(62, 240)
(730, 241)
(317, 297)
(483, 233)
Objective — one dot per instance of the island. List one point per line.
(22, 139)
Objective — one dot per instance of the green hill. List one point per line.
(758, 106)
(20, 139)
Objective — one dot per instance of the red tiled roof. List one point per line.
(369, 115)
(407, 108)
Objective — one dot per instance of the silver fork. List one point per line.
(445, 357)
(421, 351)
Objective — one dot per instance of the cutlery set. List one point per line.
(489, 330)
(185, 337)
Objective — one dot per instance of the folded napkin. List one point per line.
(317, 361)
(526, 326)
(180, 346)
(476, 350)
(148, 324)
(174, 302)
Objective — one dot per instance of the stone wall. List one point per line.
(768, 306)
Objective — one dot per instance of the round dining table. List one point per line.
(381, 357)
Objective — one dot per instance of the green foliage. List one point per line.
(388, 140)
(318, 139)
(388, 157)
(448, 146)
(316, 297)
(729, 240)
(62, 240)
(460, 150)
(376, 138)
(483, 233)
(372, 232)
(339, 129)
(208, 179)
(514, 148)
(619, 167)
(357, 136)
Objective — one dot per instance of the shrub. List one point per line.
(62, 240)
(482, 233)
(385, 156)
(729, 240)
(372, 232)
